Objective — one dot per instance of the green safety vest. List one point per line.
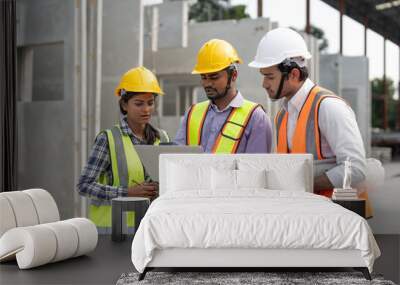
(127, 170)
(231, 133)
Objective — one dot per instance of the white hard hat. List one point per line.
(278, 45)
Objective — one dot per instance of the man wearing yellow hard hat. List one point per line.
(114, 168)
(226, 123)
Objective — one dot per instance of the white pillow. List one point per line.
(188, 177)
(251, 178)
(223, 179)
(281, 174)
(290, 181)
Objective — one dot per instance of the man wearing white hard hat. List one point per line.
(311, 119)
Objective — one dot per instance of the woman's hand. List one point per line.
(146, 190)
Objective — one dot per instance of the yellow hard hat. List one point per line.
(215, 55)
(139, 79)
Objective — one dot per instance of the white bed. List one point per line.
(247, 211)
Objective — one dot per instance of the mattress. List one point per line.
(250, 219)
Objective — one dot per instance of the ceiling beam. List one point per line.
(380, 22)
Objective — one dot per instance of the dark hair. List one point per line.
(287, 65)
(303, 73)
(151, 134)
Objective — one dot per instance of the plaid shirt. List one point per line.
(99, 162)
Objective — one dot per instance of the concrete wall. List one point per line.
(122, 40)
(348, 77)
(172, 31)
(58, 61)
(356, 91)
(46, 114)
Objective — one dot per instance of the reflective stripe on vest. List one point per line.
(231, 132)
(195, 122)
(306, 137)
(126, 172)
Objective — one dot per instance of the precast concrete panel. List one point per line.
(329, 77)
(46, 148)
(348, 77)
(43, 21)
(122, 50)
(173, 24)
(45, 120)
(313, 63)
(356, 91)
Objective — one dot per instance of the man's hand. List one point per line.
(146, 190)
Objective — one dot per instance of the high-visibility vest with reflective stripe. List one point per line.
(306, 137)
(231, 133)
(127, 170)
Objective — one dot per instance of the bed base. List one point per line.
(363, 270)
(242, 260)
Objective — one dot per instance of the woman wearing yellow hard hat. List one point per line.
(114, 168)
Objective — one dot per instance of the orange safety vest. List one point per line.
(307, 137)
(232, 131)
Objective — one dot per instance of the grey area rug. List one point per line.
(225, 278)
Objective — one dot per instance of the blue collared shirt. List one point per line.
(257, 136)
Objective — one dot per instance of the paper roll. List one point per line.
(87, 234)
(23, 207)
(33, 246)
(67, 239)
(45, 205)
(7, 217)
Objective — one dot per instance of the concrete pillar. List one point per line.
(342, 11)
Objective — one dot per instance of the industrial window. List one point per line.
(41, 72)
(24, 73)
(179, 99)
(181, 91)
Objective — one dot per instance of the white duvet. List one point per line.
(250, 219)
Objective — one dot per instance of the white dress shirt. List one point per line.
(340, 135)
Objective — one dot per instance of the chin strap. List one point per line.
(283, 77)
